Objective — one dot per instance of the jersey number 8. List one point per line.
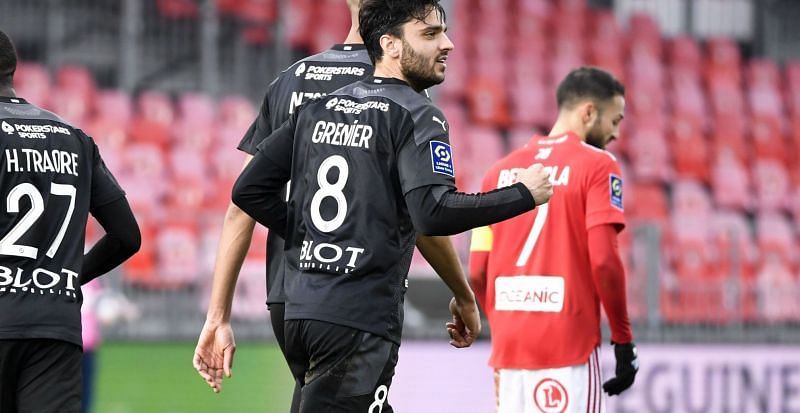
(332, 190)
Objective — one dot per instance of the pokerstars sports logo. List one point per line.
(7, 128)
(550, 396)
(300, 70)
(331, 103)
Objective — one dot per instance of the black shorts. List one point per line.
(341, 369)
(40, 376)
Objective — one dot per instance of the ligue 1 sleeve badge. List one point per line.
(442, 158)
(615, 187)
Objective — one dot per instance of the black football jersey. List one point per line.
(355, 154)
(312, 77)
(51, 176)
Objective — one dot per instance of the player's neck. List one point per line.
(7, 92)
(353, 37)
(387, 69)
(563, 126)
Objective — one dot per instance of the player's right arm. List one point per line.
(214, 353)
(442, 256)
(216, 345)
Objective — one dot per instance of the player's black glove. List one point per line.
(627, 366)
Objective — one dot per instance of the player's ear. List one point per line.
(589, 113)
(391, 46)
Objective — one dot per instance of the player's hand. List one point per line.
(213, 355)
(466, 324)
(537, 180)
(627, 366)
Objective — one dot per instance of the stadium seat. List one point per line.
(644, 36)
(723, 61)
(777, 287)
(649, 155)
(768, 141)
(32, 82)
(691, 199)
(488, 102)
(763, 72)
(196, 107)
(261, 12)
(77, 80)
(732, 238)
(530, 105)
(177, 254)
(178, 9)
(236, 112)
(690, 152)
(730, 181)
(188, 162)
(646, 203)
(776, 237)
(765, 102)
(684, 53)
(140, 269)
(72, 107)
(728, 135)
(109, 135)
(114, 105)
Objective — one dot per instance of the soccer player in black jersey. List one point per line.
(51, 178)
(370, 166)
(312, 77)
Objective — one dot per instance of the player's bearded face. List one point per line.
(606, 124)
(425, 50)
(420, 70)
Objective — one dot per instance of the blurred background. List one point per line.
(709, 148)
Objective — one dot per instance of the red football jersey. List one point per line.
(542, 305)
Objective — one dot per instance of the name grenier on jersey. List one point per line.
(341, 259)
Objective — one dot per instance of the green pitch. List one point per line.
(159, 378)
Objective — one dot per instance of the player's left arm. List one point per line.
(442, 256)
(107, 203)
(604, 219)
(257, 191)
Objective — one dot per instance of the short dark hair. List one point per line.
(8, 60)
(588, 83)
(379, 17)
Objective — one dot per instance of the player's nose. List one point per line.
(447, 44)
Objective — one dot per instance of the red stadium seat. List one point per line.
(691, 199)
(114, 105)
(178, 9)
(187, 194)
(72, 107)
(144, 160)
(777, 291)
(690, 150)
(32, 82)
(688, 101)
(107, 133)
(488, 102)
(768, 141)
(728, 134)
(188, 163)
(730, 181)
(644, 35)
(726, 98)
(77, 80)
(776, 237)
(647, 203)
(177, 252)
(732, 238)
(300, 16)
(236, 112)
(156, 106)
(530, 105)
(766, 101)
(772, 185)
(723, 61)
(763, 72)
(649, 154)
(141, 267)
(196, 108)
(684, 53)
(257, 11)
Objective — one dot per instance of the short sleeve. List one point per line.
(259, 129)
(604, 196)
(424, 155)
(105, 188)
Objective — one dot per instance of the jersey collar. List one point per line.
(8, 99)
(385, 81)
(562, 137)
(349, 47)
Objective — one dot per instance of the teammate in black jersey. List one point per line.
(312, 77)
(370, 166)
(51, 178)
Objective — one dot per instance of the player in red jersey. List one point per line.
(541, 276)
